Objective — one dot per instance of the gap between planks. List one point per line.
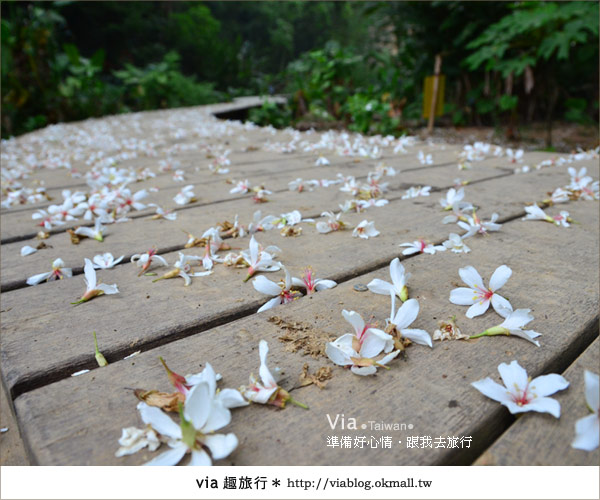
(52, 376)
(18, 284)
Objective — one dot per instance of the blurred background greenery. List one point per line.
(356, 65)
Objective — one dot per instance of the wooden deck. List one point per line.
(65, 420)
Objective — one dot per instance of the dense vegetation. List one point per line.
(358, 65)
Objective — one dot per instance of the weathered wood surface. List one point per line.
(169, 310)
(44, 339)
(12, 449)
(431, 389)
(168, 235)
(543, 440)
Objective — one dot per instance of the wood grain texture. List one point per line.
(431, 389)
(131, 316)
(12, 449)
(541, 439)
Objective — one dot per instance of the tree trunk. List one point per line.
(551, 104)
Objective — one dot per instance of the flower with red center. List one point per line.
(258, 259)
(365, 230)
(144, 260)
(478, 296)
(358, 350)
(420, 246)
(312, 284)
(281, 293)
(521, 393)
(58, 272)
(93, 287)
(333, 223)
(266, 391)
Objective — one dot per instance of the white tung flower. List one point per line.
(420, 246)
(397, 286)
(106, 261)
(258, 259)
(476, 225)
(407, 313)
(416, 191)
(58, 272)
(424, 159)
(97, 233)
(456, 244)
(185, 196)
(478, 296)
(452, 196)
(281, 293)
(536, 213)
(93, 288)
(365, 230)
(133, 440)
(332, 224)
(587, 429)
(512, 325)
(200, 417)
(357, 350)
(521, 393)
(312, 284)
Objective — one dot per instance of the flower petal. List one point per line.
(324, 285)
(200, 458)
(338, 354)
(374, 341)
(27, 250)
(478, 308)
(170, 457)
(107, 289)
(231, 398)
(38, 278)
(548, 384)
(218, 417)
(471, 277)
(492, 390)
(406, 314)
(270, 304)
(198, 405)
(159, 421)
(544, 405)
(380, 286)
(587, 433)
(364, 370)
(502, 306)
(417, 336)
(355, 320)
(500, 277)
(264, 372)
(266, 286)
(221, 445)
(592, 394)
(90, 274)
(513, 375)
(463, 296)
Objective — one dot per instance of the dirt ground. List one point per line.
(566, 137)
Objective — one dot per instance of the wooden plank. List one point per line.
(172, 310)
(430, 390)
(127, 239)
(12, 449)
(540, 439)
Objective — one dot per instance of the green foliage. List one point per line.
(271, 113)
(161, 85)
(534, 31)
(358, 64)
